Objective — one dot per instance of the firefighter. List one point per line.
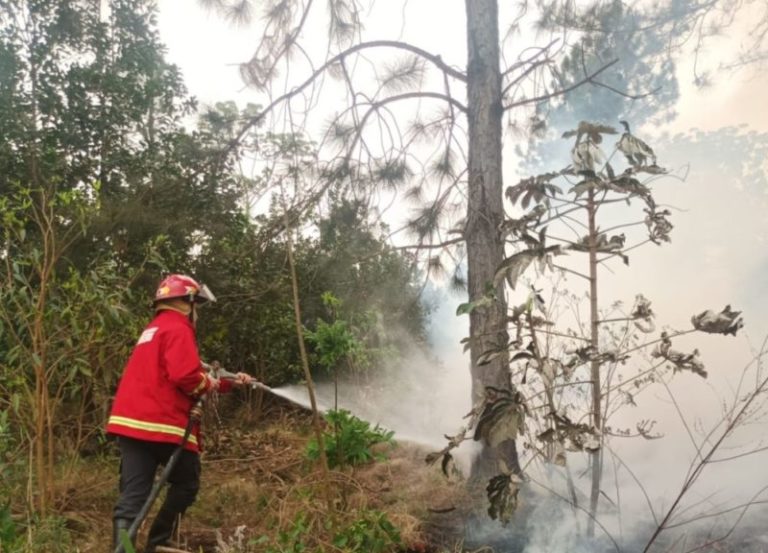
(161, 382)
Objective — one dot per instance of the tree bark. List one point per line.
(485, 212)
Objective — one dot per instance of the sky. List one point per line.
(718, 253)
(208, 49)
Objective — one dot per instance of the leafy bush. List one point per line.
(6, 446)
(9, 540)
(350, 440)
(291, 540)
(46, 535)
(368, 532)
(371, 533)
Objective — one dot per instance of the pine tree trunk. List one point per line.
(485, 251)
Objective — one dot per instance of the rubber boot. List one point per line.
(162, 530)
(118, 525)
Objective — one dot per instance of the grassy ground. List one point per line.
(260, 493)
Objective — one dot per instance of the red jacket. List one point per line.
(160, 384)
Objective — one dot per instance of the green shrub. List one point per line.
(48, 535)
(349, 440)
(368, 532)
(371, 533)
(288, 541)
(10, 542)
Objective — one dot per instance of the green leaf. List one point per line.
(466, 308)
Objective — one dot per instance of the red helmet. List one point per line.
(182, 286)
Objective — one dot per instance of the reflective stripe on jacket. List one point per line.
(160, 383)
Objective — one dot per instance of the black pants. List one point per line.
(139, 461)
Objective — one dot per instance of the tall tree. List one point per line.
(456, 117)
(88, 101)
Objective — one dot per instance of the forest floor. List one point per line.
(260, 493)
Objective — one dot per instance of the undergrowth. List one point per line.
(259, 493)
(349, 440)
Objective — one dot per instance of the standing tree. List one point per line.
(572, 379)
(449, 159)
(86, 97)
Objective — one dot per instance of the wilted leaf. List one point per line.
(587, 157)
(603, 243)
(512, 267)
(637, 152)
(432, 457)
(592, 444)
(502, 491)
(548, 436)
(467, 343)
(726, 322)
(487, 356)
(447, 464)
(536, 189)
(643, 312)
(521, 355)
(579, 435)
(659, 226)
(592, 130)
(501, 419)
(680, 361)
(583, 186)
(520, 227)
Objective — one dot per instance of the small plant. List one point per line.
(288, 541)
(351, 440)
(373, 532)
(6, 444)
(125, 541)
(9, 539)
(46, 535)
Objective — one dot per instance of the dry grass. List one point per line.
(258, 483)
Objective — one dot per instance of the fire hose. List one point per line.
(221, 373)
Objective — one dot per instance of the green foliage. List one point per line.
(292, 540)
(103, 188)
(47, 535)
(70, 325)
(376, 286)
(9, 538)
(351, 441)
(63, 326)
(126, 542)
(109, 114)
(372, 532)
(13, 459)
(369, 531)
(333, 341)
(252, 325)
